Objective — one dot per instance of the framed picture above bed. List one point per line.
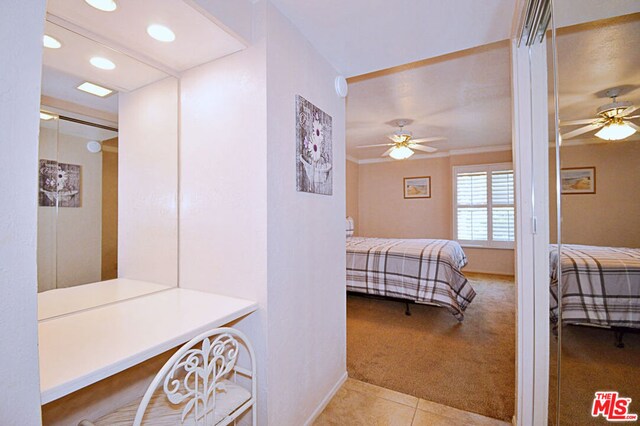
(417, 187)
(578, 180)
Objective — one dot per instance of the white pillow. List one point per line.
(349, 226)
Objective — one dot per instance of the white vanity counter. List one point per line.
(82, 348)
(63, 301)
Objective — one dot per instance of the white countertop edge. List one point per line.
(60, 391)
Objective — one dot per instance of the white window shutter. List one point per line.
(484, 205)
(502, 205)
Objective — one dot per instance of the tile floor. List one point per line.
(359, 403)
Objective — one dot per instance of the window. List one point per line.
(483, 198)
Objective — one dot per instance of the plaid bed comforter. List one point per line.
(600, 285)
(425, 271)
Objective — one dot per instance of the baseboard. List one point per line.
(326, 399)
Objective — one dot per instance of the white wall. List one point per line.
(306, 240)
(223, 186)
(70, 238)
(148, 183)
(21, 29)
(246, 232)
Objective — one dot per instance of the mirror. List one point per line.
(77, 202)
(108, 173)
(596, 296)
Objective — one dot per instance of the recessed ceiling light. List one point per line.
(46, 116)
(104, 5)
(50, 42)
(161, 33)
(102, 63)
(94, 89)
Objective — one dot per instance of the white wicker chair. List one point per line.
(199, 385)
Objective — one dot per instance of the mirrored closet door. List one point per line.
(595, 263)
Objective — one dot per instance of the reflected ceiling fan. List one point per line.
(403, 144)
(613, 120)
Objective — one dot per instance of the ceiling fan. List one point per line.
(403, 144)
(613, 120)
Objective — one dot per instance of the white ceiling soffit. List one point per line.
(464, 97)
(76, 51)
(198, 38)
(235, 16)
(593, 58)
(60, 85)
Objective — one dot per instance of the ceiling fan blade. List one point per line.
(395, 138)
(577, 122)
(374, 146)
(387, 152)
(421, 140)
(633, 117)
(582, 130)
(423, 148)
(628, 111)
(633, 125)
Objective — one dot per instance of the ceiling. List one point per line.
(121, 37)
(198, 38)
(593, 58)
(59, 85)
(466, 96)
(362, 36)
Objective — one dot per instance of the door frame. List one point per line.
(531, 166)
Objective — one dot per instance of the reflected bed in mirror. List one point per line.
(595, 265)
(108, 175)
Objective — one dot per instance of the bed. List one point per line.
(600, 285)
(422, 271)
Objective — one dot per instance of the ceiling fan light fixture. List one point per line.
(615, 131)
(401, 153)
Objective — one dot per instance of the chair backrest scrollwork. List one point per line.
(196, 372)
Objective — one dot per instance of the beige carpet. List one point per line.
(590, 363)
(468, 365)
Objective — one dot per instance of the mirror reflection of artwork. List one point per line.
(313, 148)
(578, 180)
(59, 184)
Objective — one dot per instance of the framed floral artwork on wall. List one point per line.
(59, 184)
(314, 150)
